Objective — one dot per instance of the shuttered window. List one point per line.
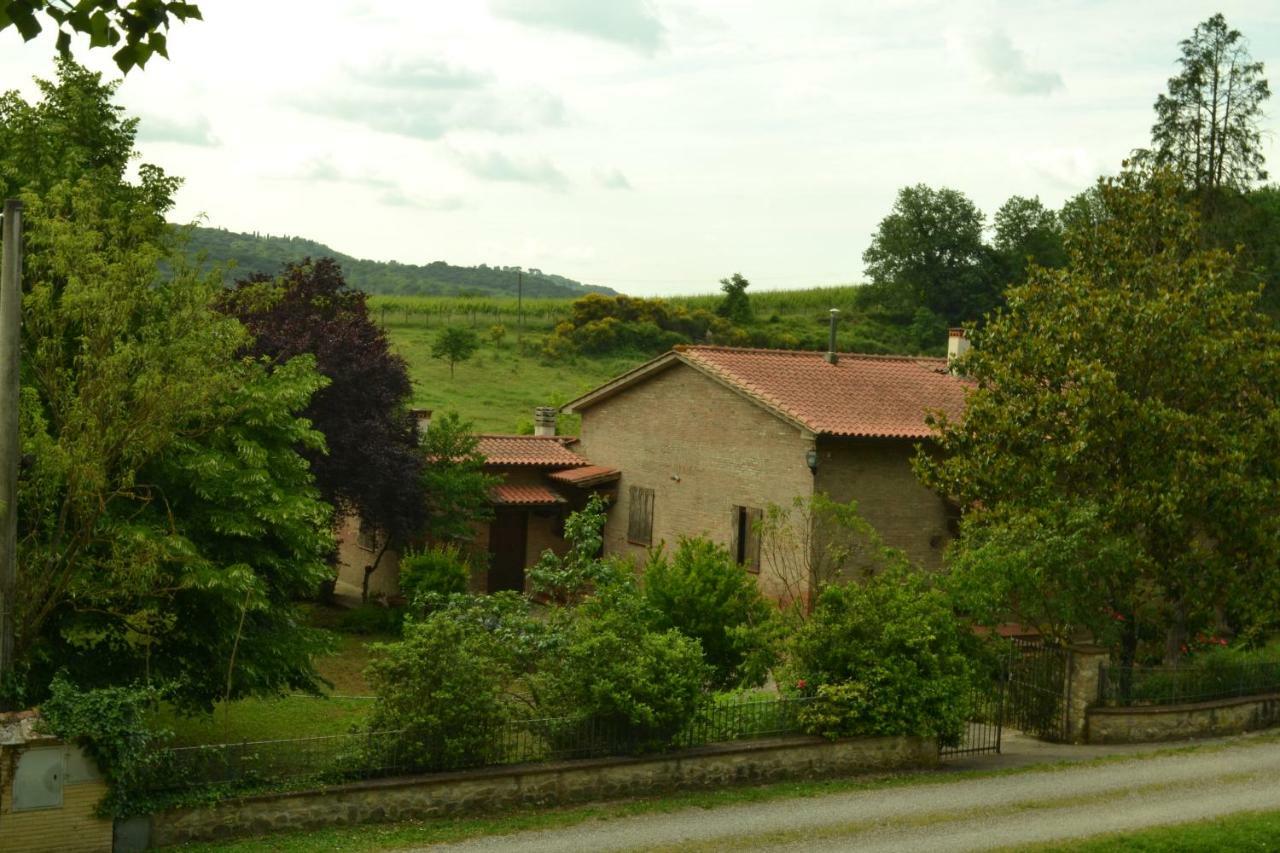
(745, 537)
(640, 517)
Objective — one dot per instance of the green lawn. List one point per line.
(498, 387)
(290, 716)
(1245, 832)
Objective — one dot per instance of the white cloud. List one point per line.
(182, 131)
(632, 23)
(612, 179)
(1006, 67)
(497, 166)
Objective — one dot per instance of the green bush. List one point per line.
(445, 686)
(439, 570)
(702, 593)
(882, 657)
(608, 663)
(564, 579)
(370, 618)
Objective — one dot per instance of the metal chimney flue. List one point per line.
(831, 355)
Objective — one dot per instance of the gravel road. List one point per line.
(960, 814)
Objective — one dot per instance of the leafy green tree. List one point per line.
(1207, 126)
(1026, 232)
(1125, 412)
(882, 657)
(701, 592)
(736, 305)
(454, 480)
(455, 344)
(138, 27)
(929, 252)
(566, 578)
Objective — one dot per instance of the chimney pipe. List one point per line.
(957, 345)
(831, 356)
(544, 420)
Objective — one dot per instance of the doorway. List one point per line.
(508, 533)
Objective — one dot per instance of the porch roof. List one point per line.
(519, 495)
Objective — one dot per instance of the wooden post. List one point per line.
(10, 318)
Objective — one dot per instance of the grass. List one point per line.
(380, 837)
(1242, 832)
(294, 716)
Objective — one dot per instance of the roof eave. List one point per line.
(620, 383)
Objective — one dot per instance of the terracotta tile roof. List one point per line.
(587, 475)
(535, 450)
(860, 395)
(509, 495)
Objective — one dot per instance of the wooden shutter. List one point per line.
(734, 528)
(751, 553)
(640, 516)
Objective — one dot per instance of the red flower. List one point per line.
(801, 684)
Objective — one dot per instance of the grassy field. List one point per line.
(345, 704)
(1253, 831)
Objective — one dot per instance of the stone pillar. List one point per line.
(1084, 664)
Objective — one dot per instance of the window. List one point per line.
(745, 546)
(640, 519)
(367, 538)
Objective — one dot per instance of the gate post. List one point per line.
(1084, 664)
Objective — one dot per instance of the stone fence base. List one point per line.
(493, 789)
(1179, 722)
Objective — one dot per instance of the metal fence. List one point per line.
(1126, 686)
(1037, 682)
(339, 758)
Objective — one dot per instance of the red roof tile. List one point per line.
(860, 395)
(536, 450)
(509, 495)
(587, 475)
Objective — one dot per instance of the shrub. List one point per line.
(883, 657)
(370, 618)
(611, 665)
(445, 685)
(439, 570)
(702, 593)
(563, 579)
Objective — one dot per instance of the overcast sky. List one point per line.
(651, 146)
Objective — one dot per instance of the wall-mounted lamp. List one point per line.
(811, 459)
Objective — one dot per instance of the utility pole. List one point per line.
(520, 310)
(10, 318)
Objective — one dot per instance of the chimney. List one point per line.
(544, 420)
(831, 356)
(423, 417)
(957, 345)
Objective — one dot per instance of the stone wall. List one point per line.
(542, 785)
(1180, 722)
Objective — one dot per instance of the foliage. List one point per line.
(702, 593)
(166, 520)
(1207, 125)
(929, 252)
(139, 24)
(445, 686)
(455, 344)
(454, 479)
(1126, 412)
(436, 570)
(883, 657)
(1026, 232)
(370, 464)
(110, 724)
(564, 579)
(497, 332)
(612, 666)
(265, 254)
(600, 324)
(371, 619)
(736, 305)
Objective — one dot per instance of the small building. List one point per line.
(543, 479)
(707, 438)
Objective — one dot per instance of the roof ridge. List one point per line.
(798, 352)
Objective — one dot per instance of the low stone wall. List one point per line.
(493, 789)
(1179, 722)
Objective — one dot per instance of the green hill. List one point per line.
(260, 253)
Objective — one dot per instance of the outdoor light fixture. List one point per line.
(811, 457)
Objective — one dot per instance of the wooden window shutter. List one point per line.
(640, 516)
(751, 553)
(734, 532)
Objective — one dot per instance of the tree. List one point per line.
(165, 521)
(1026, 232)
(455, 483)
(139, 24)
(1119, 457)
(929, 252)
(736, 305)
(371, 464)
(455, 344)
(1207, 124)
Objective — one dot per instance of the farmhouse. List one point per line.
(543, 479)
(707, 438)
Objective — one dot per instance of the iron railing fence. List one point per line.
(1036, 685)
(366, 755)
(1127, 686)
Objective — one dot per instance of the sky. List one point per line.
(654, 146)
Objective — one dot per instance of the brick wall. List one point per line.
(877, 474)
(703, 449)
